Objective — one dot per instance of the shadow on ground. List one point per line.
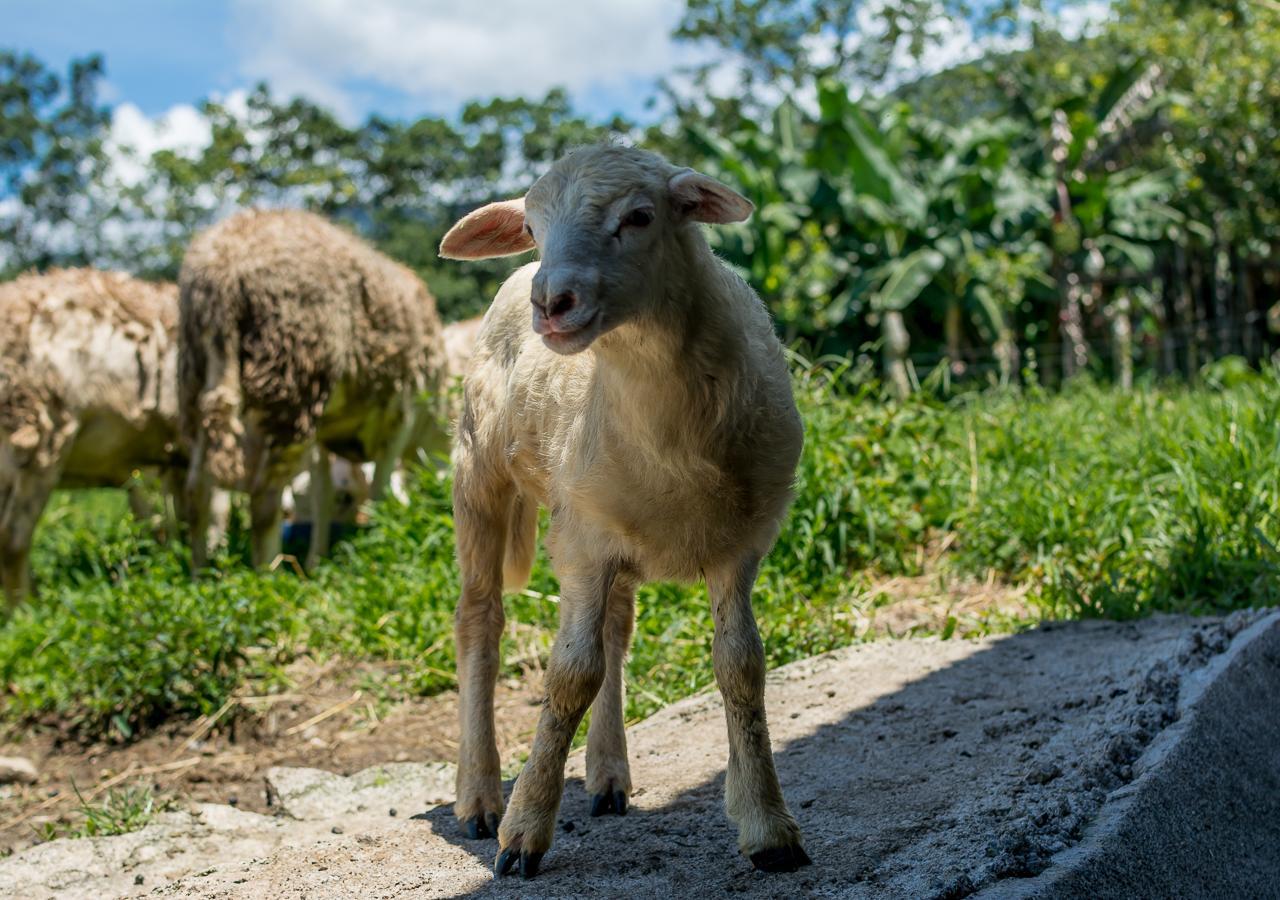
(978, 772)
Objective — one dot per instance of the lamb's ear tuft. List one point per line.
(703, 199)
(493, 230)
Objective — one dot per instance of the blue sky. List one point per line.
(180, 55)
(396, 57)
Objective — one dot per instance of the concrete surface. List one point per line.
(1202, 816)
(317, 794)
(1074, 760)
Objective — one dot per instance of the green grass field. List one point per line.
(1103, 503)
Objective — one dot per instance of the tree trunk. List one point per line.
(1122, 342)
(896, 344)
(951, 329)
(1075, 351)
(1185, 307)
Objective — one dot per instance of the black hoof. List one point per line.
(481, 826)
(602, 804)
(781, 859)
(508, 859)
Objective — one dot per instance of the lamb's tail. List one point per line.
(522, 536)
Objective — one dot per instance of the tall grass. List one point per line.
(1104, 503)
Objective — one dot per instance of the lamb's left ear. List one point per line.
(703, 199)
(493, 230)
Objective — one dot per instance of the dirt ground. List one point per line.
(327, 721)
(324, 722)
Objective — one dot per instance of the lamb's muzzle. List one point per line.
(649, 408)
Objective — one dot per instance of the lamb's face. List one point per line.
(604, 220)
(601, 232)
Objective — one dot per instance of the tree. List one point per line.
(52, 132)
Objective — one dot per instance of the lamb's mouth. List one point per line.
(573, 339)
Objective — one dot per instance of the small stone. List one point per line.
(138, 879)
(1043, 774)
(568, 827)
(17, 770)
(337, 829)
(392, 812)
(233, 800)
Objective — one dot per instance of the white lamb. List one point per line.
(650, 409)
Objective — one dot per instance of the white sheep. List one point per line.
(650, 409)
(87, 395)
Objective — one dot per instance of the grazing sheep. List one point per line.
(88, 365)
(650, 409)
(293, 332)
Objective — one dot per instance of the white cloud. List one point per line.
(1083, 19)
(135, 137)
(440, 53)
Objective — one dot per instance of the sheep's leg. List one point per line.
(15, 557)
(573, 680)
(267, 470)
(767, 832)
(24, 503)
(608, 772)
(481, 537)
(264, 519)
(389, 458)
(219, 516)
(321, 505)
(197, 499)
(15, 563)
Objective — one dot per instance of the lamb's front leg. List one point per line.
(767, 832)
(608, 771)
(572, 681)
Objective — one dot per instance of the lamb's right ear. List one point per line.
(493, 230)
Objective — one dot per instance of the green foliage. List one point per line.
(1117, 505)
(125, 810)
(52, 131)
(1106, 503)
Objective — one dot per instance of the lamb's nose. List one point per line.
(560, 304)
(556, 305)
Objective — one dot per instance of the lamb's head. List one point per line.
(605, 220)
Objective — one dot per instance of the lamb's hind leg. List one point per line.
(767, 832)
(480, 522)
(608, 771)
(573, 679)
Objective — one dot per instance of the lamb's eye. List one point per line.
(528, 230)
(638, 218)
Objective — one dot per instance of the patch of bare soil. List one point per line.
(326, 722)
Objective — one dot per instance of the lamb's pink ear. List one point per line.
(703, 199)
(493, 230)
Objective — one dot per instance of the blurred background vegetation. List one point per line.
(1103, 203)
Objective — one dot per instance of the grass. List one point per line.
(1101, 503)
(121, 811)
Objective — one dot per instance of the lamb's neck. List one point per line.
(683, 360)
